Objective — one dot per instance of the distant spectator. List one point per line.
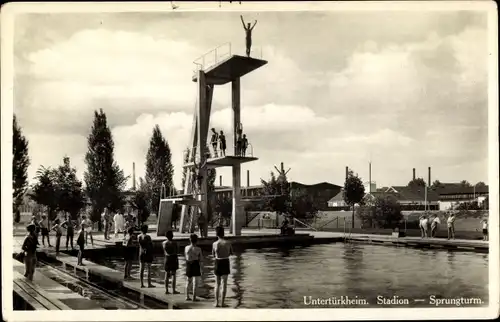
(424, 225)
(58, 229)
(70, 230)
(485, 228)
(105, 218)
(451, 226)
(88, 229)
(44, 225)
(119, 223)
(434, 225)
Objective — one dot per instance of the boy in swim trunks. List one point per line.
(80, 241)
(194, 265)
(128, 252)
(145, 254)
(485, 229)
(221, 250)
(171, 261)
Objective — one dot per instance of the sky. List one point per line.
(404, 89)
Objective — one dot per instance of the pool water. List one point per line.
(282, 277)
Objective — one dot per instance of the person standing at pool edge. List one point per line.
(145, 254)
(128, 252)
(44, 225)
(80, 241)
(485, 229)
(194, 265)
(29, 247)
(248, 32)
(171, 261)
(451, 226)
(221, 250)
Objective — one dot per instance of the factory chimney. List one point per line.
(346, 173)
(133, 175)
(220, 181)
(370, 177)
(429, 182)
(248, 178)
(414, 174)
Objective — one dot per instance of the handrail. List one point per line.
(336, 218)
(217, 57)
(201, 61)
(309, 226)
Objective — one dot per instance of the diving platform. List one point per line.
(229, 69)
(225, 161)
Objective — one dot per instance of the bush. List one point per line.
(383, 213)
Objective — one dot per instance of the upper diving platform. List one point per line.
(221, 66)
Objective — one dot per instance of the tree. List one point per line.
(436, 185)
(280, 198)
(104, 180)
(465, 183)
(69, 192)
(44, 191)
(472, 205)
(354, 191)
(224, 206)
(140, 202)
(20, 164)
(417, 183)
(384, 212)
(279, 190)
(302, 204)
(480, 184)
(159, 168)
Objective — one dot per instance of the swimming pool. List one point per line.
(282, 277)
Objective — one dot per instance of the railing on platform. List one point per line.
(217, 154)
(212, 57)
(219, 53)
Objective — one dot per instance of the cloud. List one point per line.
(333, 93)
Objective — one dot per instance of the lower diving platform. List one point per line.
(224, 161)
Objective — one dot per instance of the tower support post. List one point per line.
(237, 213)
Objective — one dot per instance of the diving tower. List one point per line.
(217, 67)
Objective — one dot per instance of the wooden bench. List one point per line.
(35, 296)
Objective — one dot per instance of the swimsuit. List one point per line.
(222, 267)
(193, 268)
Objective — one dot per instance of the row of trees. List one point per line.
(104, 181)
(420, 182)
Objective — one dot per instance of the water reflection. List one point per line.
(281, 277)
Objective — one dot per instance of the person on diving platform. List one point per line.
(248, 31)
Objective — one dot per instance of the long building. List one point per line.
(320, 192)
